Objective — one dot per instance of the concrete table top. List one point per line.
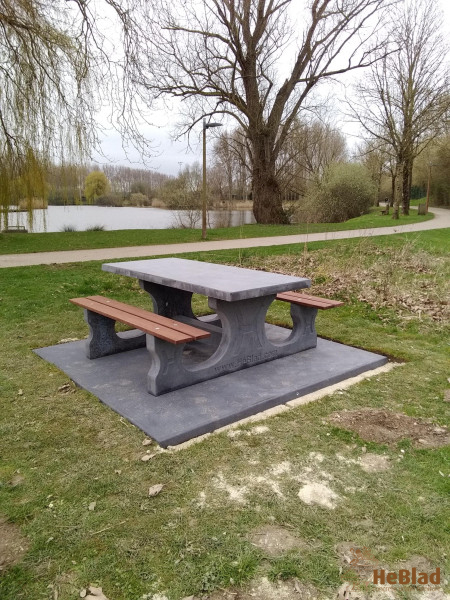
(222, 282)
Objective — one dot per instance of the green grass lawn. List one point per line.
(12, 243)
(62, 450)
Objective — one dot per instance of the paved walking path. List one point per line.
(440, 221)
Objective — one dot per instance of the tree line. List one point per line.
(259, 63)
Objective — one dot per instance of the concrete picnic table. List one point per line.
(239, 298)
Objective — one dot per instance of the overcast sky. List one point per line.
(170, 156)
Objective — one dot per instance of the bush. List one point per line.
(96, 184)
(138, 199)
(344, 192)
(95, 228)
(33, 203)
(63, 197)
(110, 200)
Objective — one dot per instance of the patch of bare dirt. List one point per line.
(263, 589)
(13, 545)
(386, 427)
(431, 595)
(374, 463)
(421, 563)
(17, 479)
(357, 559)
(318, 493)
(274, 540)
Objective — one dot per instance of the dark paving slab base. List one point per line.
(119, 381)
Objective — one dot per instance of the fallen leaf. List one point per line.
(147, 457)
(20, 393)
(155, 489)
(188, 598)
(118, 471)
(83, 593)
(66, 387)
(92, 506)
(16, 480)
(147, 442)
(95, 593)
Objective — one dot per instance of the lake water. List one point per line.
(56, 218)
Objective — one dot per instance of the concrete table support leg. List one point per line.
(304, 326)
(167, 301)
(103, 339)
(166, 371)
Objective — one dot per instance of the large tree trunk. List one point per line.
(267, 194)
(391, 202)
(377, 199)
(267, 200)
(406, 191)
(398, 191)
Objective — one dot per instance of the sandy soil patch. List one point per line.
(282, 468)
(386, 427)
(263, 589)
(318, 493)
(13, 545)
(248, 484)
(374, 463)
(421, 563)
(257, 430)
(17, 479)
(235, 493)
(274, 540)
(431, 595)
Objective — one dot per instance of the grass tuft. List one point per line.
(96, 228)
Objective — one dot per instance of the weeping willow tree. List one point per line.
(55, 63)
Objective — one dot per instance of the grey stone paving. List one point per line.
(119, 381)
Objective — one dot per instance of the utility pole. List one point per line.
(205, 127)
(428, 186)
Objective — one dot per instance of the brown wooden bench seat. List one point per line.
(306, 300)
(304, 309)
(101, 313)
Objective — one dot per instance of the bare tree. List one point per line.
(377, 160)
(311, 147)
(405, 100)
(232, 164)
(229, 56)
(432, 171)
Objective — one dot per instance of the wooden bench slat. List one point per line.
(160, 331)
(314, 301)
(307, 300)
(194, 332)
